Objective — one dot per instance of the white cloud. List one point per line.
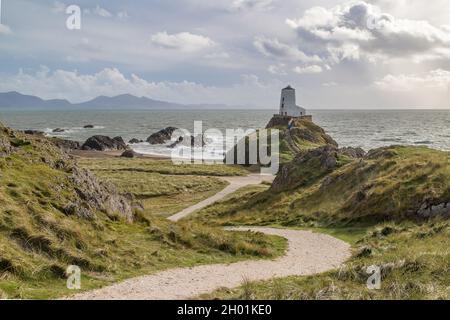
(59, 7)
(252, 5)
(78, 87)
(4, 29)
(308, 70)
(123, 15)
(437, 80)
(330, 84)
(102, 12)
(183, 41)
(279, 69)
(218, 55)
(358, 29)
(275, 49)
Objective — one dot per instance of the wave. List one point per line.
(427, 142)
(69, 130)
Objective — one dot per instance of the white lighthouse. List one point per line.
(288, 106)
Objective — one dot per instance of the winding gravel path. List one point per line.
(235, 183)
(308, 253)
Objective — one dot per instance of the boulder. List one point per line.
(58, 130)
(89, 126)
(129, 154)
(431, 209)
(190, 141)
(104, 143)
(134, 141)
(66, 145)
(356, 153)
(162, 136)
(34, 132)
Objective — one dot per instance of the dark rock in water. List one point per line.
(34, 132)
(176, 143)
(66, 145)
(190, 141)
(353, 152)
(89, 126)
(104, 143)
(130, 154)
(121, 145)
(134, 141)
(96, 195)
(162, 136)
(58, 130)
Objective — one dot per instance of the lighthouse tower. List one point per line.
(288, 106)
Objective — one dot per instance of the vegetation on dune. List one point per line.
(53, 214)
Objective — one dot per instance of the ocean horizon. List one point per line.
(367, 129)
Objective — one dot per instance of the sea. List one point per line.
(367, 129)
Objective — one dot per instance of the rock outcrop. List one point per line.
(95, 195)
(130, 154)
(104, 143)
(34, 132)
(66, 145)
(58, 130)
(89, 126)
(191, 141)
(5, 145)
(303, 135)
(134, 141)
(429, 209)
(356, 153)
(162, 136)
(306, 168)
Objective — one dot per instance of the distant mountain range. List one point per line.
(14, 100)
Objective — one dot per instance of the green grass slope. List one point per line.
(304, 135)
(389, 184)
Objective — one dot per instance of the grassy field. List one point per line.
(39, 239)
(161, 194)
(161, 166)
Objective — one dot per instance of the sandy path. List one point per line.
(308, 253)
(235, 183)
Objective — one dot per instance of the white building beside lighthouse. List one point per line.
(288, 106)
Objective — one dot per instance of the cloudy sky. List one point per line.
(338, 54)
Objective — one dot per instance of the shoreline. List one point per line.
(113, 154)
